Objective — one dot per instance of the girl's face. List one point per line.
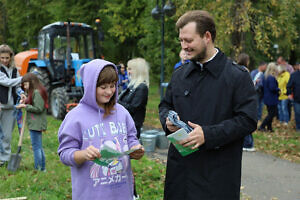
(26, 85)
(129, 71)
(5, 59)
(104, 93)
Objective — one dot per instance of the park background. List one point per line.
(264, 29)
(255, 27)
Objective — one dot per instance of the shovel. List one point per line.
(15, 159)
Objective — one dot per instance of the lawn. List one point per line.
(56, 182)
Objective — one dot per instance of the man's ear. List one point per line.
(207, 37)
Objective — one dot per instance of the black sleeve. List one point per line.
(289, 86)
(139, 99)
(244, 121)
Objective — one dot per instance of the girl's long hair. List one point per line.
(34, 84)
(139, 72)
(108, 75)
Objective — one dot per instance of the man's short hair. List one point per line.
(204, 22)
(262, 63)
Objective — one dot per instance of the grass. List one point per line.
(152, 118)
(284, 142)
(56, 182)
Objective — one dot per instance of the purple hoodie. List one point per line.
(83, 126)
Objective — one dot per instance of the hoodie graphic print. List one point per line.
(83, 126)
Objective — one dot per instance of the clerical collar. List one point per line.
(201, 65)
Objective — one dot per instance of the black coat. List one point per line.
(135, 101)
(222, 100)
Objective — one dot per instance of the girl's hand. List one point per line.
(138, 154)
(23, 97)
(19, 106)
(90, 153)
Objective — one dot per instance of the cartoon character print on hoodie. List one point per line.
(84, 126)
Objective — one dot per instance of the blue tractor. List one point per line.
(63, 47)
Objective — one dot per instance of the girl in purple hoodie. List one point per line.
(98, 120)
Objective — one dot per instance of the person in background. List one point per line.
(282, 79)
(183, 59)
(216, 97)
(271, 94)
(123, 77)
(36, 106)
(257, 76)
(243, 60)
(293, 92)
(290, 69)
(96, 121)
(135, 97)
(282, 61)
(9, 89)
(248, 145)
(1, 135)
(19, 116)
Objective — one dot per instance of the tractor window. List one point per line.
(59, 48)
(81, 47)
(47, 46)
(90, 46)
(41, 46)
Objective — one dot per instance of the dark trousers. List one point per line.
(272, 112)
(248, 141)
(138, 130)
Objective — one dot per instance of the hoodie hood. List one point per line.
(89, 75)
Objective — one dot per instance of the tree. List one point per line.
(25, 19)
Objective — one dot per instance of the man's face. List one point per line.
(191, 42)
(280, 61)
(263, 67)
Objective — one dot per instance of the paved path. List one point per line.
(264, 177)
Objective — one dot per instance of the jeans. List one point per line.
(260, 105)
(297, 115)
(248, 141)
(38, 152)
(1, 138)
(283, 111)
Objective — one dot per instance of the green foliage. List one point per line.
(130, 31)
(25, 19)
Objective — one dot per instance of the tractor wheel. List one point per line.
(43, 76)
(58, 100)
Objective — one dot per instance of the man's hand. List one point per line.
(195, 138)
(138, 153)
(171, 126)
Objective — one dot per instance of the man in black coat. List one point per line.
(217, 99)
(293, 90)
